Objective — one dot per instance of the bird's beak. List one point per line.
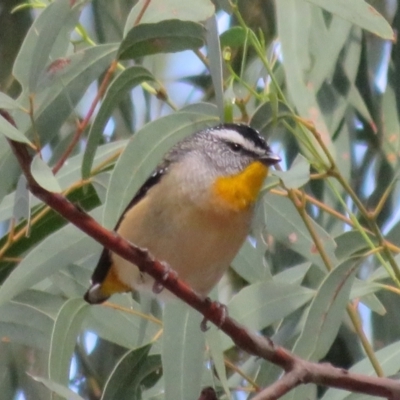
(269, 158)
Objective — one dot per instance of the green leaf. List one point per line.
(9, 167)
(56, 388)
(215, 63)
(326, 312)
(47, 40)
(214, 342)
(11, 132)
(293, 275)
(233, 37)
(44, 176)
(66, 246)
(266, 115)
(286, 225)
(329, 41)
(29, 319)
(360, 13)
(250, 263)
(63, 339)
(121, 85)
(182, 352)
(160, 10)
(8, 103)
(21, 207)
(261, 304)
(57, 101)
(391, 140)
(168, 36)
(120, 327)
(130, 374)
(349, 243)
(294, 20)
(142, 155)
(298, 174)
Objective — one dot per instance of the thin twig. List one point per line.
(82, 125)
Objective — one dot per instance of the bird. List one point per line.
(194, 211)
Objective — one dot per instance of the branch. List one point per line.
(298, 371)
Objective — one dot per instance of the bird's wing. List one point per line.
(104, 264)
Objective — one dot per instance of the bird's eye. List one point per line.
(235, 147)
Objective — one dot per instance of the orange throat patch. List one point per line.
(239, 192)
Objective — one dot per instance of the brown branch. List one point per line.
(82, 125)
(282, 386)
(298, 371)
(141, 13)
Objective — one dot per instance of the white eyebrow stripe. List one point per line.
(235, 137)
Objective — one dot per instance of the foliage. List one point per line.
(316, 77)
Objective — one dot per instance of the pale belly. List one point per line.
(197, 245)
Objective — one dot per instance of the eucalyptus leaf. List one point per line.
(286, 225)
(57, 101)
(326, 312)
(360, 13)
(64, 247)
(294, 19)
(168, 36)
(55, 387)
(293, 275)
(298, 174)
(121, 325)
(11, 132)
(8, 103)
(118, 88)
(21, 207)
(215, 62)
(130, 373)
(233, 37)
(214, 341)
(160, 10)
(47, 39)
(261, 304)
(43, 175)
(63, 339)
(182, 352)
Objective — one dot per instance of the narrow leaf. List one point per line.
(11, 132)
(55, 103)
(168, 36)
(56, 388)
(215, 60)
(360, 13)
(64, 337)
(66, 246)
(121, 85)
(326, 312)
(52, 47)
(8, 103)
(298, 174)
(128, 376)
(286, 225)
(182, 352)
(44, 176)
(160, 10)
(259, 305)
